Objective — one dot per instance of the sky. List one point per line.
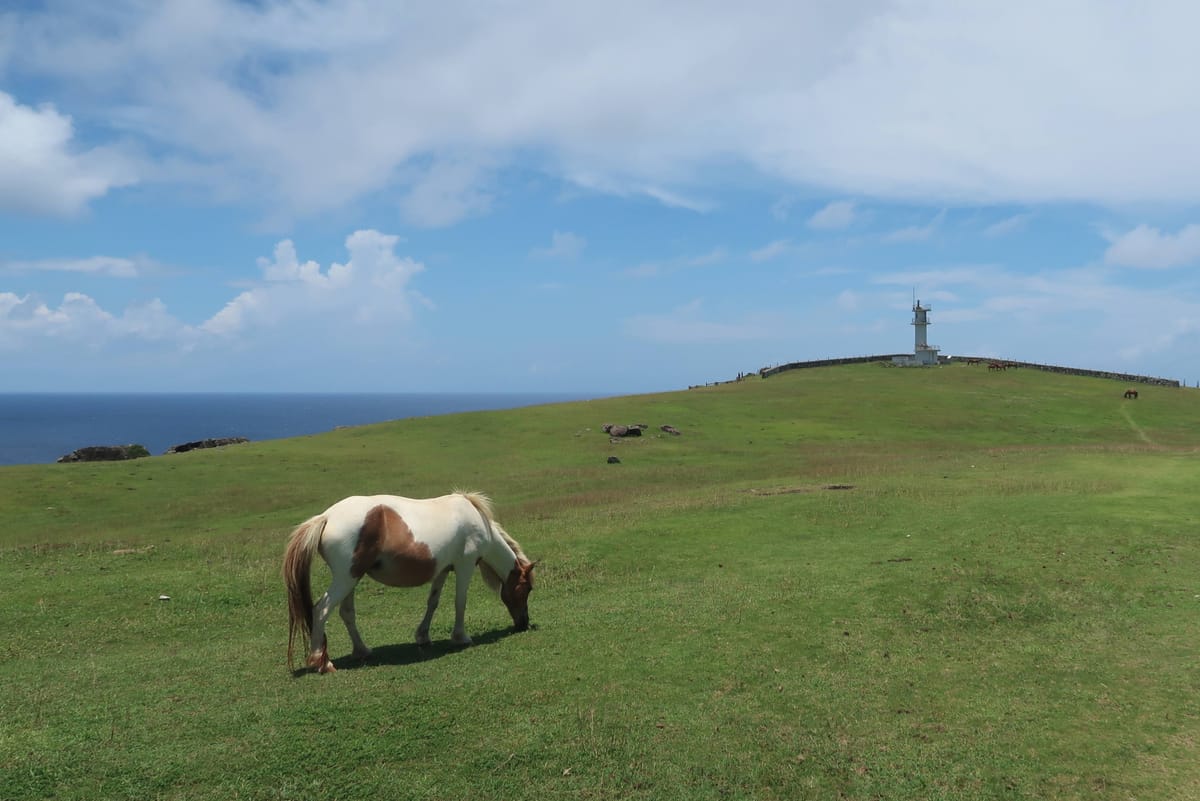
(591, 197)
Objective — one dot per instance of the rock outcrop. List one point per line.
(206, 443)
(105, 453)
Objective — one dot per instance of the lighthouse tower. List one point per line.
(923, 352)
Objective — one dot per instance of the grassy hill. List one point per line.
(1000, 601)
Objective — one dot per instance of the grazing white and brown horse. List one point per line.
(402, 542)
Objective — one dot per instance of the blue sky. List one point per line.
(361, 195)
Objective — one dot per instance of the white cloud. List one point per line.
(563, 245)
(111, 266)
(1148, 248)
(771, 250)
(849, 300)
(685, 325)
(42, 169)
(1007, 226)
(446, 192)
(79, 320)
(652, 269)
(782, 208)
(837, 215)
(315, 104)
(916, 233)
(372, 286)
(367, 300)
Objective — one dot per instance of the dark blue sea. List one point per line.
(38, 428)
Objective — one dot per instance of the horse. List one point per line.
(997, 366)
(401, 542)
(1131, 393)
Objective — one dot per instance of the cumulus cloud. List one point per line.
(79, 320)
(371, 286)
(43, 170)
(293, 299)
(1149, 248)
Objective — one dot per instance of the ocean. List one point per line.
(39, 428)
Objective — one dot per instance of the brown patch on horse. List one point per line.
(387, 552)
(515, 593)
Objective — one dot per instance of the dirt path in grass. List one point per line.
(1136, 428)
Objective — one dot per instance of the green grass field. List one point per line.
(1003, 601)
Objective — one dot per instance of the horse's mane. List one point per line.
(484, 504)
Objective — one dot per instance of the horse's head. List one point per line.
(515, 593)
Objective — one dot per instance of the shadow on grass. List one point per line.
(410, 653)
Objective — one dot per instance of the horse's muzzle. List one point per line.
(521, 623)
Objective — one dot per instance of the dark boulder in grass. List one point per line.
(105, 453)
(634, 430)
(206, 443)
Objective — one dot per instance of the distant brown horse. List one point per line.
(1131, 393)
(997, 366)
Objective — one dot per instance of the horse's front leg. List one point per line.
(462, 583)
(435, 596)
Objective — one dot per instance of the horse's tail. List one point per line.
(297, 563)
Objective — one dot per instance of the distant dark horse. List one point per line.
(997, 366)
(1131, 393)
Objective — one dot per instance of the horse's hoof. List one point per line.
(327, 668)
(464, 641)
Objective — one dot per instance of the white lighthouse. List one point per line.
(923, 352)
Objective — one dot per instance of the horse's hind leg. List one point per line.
(435, 596)
(346, 610)
(318, 655)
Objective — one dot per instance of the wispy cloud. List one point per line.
(782, 208)
(916, 233)
(686, 325)
(1149, 248)
(770, 251)
(114, 267)
(651, 269)
(1008, 225)
(563, 245)
(835, 216)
